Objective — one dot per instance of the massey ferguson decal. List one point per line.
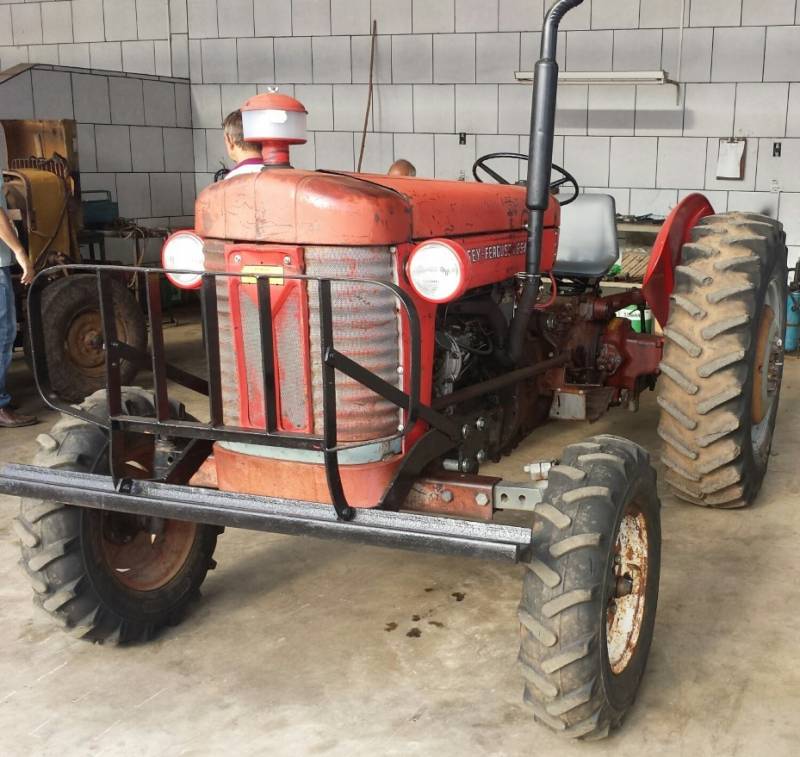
(496, 251)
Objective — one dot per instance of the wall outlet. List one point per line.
(775, 186)
(462, 137)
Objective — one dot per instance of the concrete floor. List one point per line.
(289, 651)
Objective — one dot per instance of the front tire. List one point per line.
(103, 576)
(590, 592)
(723, 357)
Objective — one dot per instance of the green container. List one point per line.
(633, 314)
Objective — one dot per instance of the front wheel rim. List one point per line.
(143, 554)
(625, 609)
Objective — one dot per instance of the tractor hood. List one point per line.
(287, 206)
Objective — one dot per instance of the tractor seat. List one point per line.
(587, 241)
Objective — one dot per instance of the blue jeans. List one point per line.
(8, 330)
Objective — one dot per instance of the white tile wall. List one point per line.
(738, 54)
(621, 14)
(438, 16)
(256, 59)
(709, 110)
(235, 18)
(331, 59)
(495, 56)
(26, 24)
(350, 17)
(716, 12)
(476, 16)
(633, 161)
(761, 109)
(120, 19)
(611, 109)
(272, 18)
(87, 21)
(782, 57)
(476, 108)
(441, 66)
(412, 58)
(6, 31)
(454, 58)
(637, 49)
(756, 12)
(681, 162)
(434, 108)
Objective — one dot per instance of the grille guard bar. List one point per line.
(443, 434)
(273, 514)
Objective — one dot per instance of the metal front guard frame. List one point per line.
(443, 435)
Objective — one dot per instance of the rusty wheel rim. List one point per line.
(84, 342)
(768, 367)
(144, 554)
(626, 604)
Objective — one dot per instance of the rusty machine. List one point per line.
(42, 192)
(370, 343)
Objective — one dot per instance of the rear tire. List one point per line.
(72, 334)
(722, 365)
(584, 640)
(100, 575)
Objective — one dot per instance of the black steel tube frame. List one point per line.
(273, 514)
(443, 436)
(540, 166)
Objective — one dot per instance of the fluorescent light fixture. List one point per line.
(604, 77)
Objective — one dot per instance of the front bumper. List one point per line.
(273, 514)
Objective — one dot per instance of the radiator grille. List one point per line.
(365, 322)
(215, 262)
(365, 328)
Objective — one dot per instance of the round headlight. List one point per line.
(436, 271)
(183, 251)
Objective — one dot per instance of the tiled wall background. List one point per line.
(134, 134)
(141, 36)
(446, 66)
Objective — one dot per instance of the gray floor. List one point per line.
(289, 652)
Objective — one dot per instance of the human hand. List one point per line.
(27, 268)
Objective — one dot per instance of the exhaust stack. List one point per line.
(540, 163)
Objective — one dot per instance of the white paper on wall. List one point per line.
(730, 163)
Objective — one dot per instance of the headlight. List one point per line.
(437, 271)
(183, 251)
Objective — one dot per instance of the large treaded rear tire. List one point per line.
(75, 368)
(564, 653)
(733, 268)
(61, 553)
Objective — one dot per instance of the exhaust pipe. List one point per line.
(540, 164)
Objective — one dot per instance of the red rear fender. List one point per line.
(659, 281)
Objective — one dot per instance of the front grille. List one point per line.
(365, 328)
(215, 263)
(365, 323)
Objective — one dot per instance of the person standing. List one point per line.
(245, 155)
(10, 249)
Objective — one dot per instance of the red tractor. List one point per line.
(370, 342)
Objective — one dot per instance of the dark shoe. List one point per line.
(10, 419)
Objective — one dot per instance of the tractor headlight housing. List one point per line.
(437, 270)
(182, 254)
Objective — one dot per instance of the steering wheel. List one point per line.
(565, 176)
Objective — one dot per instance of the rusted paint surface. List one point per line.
(206, 474)
(637, 355)
(453, 494)
(303, 207)
(659, 281)
(364, 485)
(626, 605)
